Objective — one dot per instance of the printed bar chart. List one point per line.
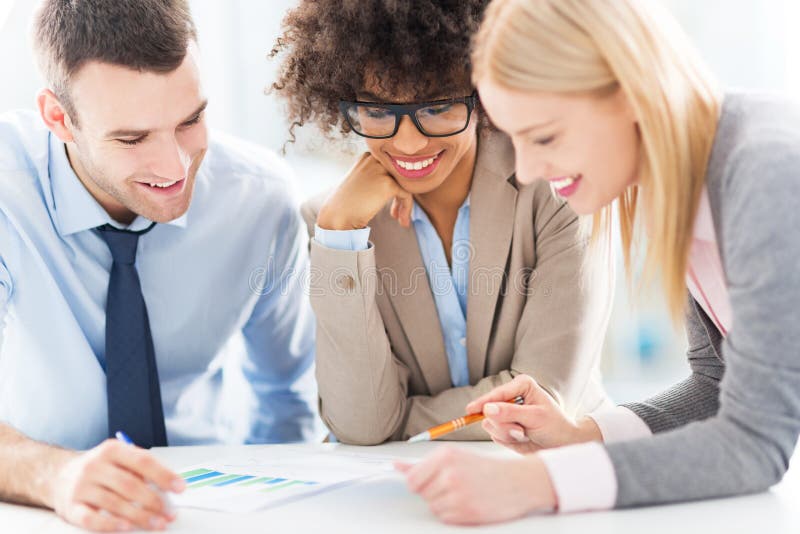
(258, 480)
(203, 478)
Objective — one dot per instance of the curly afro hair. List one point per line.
(334, 49)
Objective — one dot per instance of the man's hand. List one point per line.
(112, 488)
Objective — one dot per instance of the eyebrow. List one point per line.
(533, 127)
(372, 96)
(125, 132)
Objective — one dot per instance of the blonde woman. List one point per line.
(605, 99)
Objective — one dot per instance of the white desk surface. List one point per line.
(385, 506)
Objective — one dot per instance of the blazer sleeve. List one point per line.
(362, 386)
(6, 281)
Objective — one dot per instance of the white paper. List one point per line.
(293, 474)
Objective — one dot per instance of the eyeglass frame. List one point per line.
(402, 110)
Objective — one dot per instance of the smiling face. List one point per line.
(140, 137)
(422, 164)
(587, 146)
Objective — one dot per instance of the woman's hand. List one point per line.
(539, 423)
(463, 488)
(364, 192)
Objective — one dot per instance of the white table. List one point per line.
(385, 506)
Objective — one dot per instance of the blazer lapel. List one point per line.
(493, 200)
(400, 266)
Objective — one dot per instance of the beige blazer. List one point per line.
(382, 368)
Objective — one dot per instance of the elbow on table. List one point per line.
(776, 467)
(770, 459)
(361, 431)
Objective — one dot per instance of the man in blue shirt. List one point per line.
(138, 261)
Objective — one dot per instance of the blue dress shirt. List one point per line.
(449, 286)
(224, 286)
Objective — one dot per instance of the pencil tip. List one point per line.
(425, 436)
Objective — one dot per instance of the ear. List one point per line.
(54, 116)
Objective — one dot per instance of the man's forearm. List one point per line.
(27, 468)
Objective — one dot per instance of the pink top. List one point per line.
(583, 475)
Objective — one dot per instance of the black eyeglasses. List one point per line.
(440, 118)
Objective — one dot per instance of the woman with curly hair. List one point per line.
(435, 275)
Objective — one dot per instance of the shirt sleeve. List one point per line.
(583, 477)
(279, 341)
(620, 424)
(6, 288)
(342, 239)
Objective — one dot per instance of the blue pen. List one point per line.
(123, 437)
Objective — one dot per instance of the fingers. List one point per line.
(505, 432)
(90, 518)
(402, 206)
(142, 463)
(405, 209)
(423, 473)
(131, 488)
(401, 212)
(521, 385)
(108, 501)
(403, 467)
(502, 415)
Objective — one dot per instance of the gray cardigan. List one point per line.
(732, 426)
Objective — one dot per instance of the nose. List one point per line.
(172, 160)
(408, 139)
(530, 168)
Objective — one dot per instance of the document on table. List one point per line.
(273, 476)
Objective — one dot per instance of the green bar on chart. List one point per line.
(211, 481)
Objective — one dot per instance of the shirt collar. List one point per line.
(75, 208)
(419, 215)
(704, 222)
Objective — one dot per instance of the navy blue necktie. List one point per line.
(134, 394)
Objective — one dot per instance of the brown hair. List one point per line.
(145, 35)
(331, 47)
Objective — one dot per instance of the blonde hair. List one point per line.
(598, 46)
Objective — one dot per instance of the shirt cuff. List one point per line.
(583, 477)
(620, 424)
(343, 239)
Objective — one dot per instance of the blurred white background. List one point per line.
(752, 44)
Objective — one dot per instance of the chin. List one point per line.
(420, 187)
(584, 207)
(164, 215)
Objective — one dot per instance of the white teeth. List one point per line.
(164, 186)
(565, 182)
(415, 165)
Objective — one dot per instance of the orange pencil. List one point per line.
(451, 426)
